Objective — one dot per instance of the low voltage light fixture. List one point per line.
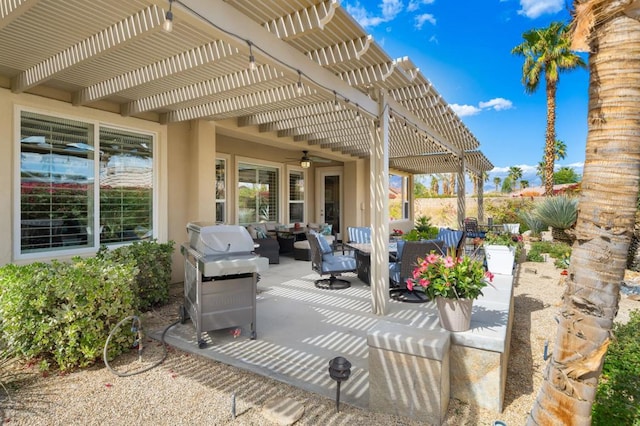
(252, 59)
(299, 88)
(167, 25)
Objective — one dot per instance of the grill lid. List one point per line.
(210, 239)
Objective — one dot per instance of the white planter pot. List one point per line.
(500, 259)
(454, 314)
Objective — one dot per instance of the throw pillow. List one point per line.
(326, 229)
(261, 233)
(252, 232)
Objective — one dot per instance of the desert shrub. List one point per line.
(63, 312)
(532, 222)
(559, 212)
(153, 261)
(618, 395)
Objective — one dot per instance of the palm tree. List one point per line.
(546, 50)
(524, 184)
(515, 173)
(560, 149)
(560, 154)
(496, 182)
(606, 214)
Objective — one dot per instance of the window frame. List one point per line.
(259, 163)
(225, 202)
(95, 201)
(304, 201)
(404, 197)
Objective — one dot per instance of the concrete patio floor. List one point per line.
(301, 328)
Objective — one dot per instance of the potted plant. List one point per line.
(422, 230)
(454, 283)
(500, 250)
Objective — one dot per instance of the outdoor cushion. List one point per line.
(326, 229)
(359, 234)
(252, 232)
(325, 247)
(338, 263)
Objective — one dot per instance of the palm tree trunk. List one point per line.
(550, 137)
(603, 231)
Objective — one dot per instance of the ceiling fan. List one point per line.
(306, 160)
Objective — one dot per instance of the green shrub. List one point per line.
(422, 230)
(561, 252)
(153, 260)
(509, 211)
(618, 395)
(559, 212)
(63, 312)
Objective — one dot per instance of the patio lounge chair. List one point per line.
(408, 258)
(325, 262)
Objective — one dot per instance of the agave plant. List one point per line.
(558, 212)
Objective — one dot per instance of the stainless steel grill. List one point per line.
(220, 278)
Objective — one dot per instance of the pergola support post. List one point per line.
(379, 184)
(461, 192)
(480, 200)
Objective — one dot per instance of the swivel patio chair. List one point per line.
(325, 262)
(408, 260)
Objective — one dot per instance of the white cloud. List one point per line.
(361, 15)
(465, 110)
(415, 4)
(535, 8)
(390, 9)
(497, 104)
(526, 169)
(421, 19)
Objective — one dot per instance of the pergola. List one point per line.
(302, 69)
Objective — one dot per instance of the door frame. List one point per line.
(320, 174)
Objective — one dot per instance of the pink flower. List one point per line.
(489, 275)
(409, 285)
(424, 282)
(432, 258)
(449, 262)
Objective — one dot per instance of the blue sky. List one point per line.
(464, 49)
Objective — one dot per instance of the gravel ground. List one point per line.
(186, 389)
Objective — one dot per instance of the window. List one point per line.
(59, 206)
(126, 190)
(257, 193)
(398, 197)
(296, 196)
(221, 190)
